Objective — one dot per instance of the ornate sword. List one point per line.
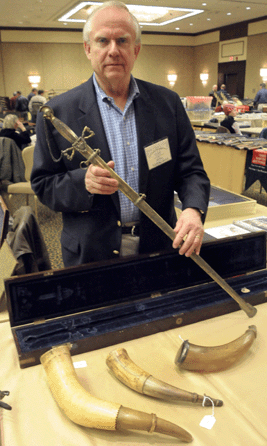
(93, 156)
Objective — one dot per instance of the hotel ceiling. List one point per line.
(212, 14)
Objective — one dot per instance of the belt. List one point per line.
(132, 229)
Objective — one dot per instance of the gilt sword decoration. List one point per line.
(93, 156)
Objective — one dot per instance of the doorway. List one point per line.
(232, 74)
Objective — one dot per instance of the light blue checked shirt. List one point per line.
(120, 129)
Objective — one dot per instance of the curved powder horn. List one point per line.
(137, 379)
(86, 410)
(214, 359)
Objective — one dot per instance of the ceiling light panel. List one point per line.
(146, 15)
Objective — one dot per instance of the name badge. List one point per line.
(158, 153)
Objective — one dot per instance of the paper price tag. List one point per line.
(208, 421)
(80, 364)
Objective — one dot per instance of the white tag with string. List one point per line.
(209, 420)
(79, 364)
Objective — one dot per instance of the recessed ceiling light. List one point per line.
(146, 15)
(204, 4)
(191, 24)
(208, 19)
(177, 28)
(229, 13)
(248, 7)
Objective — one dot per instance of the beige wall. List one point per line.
(155, 62)
(60, 60)
(256, 59)
(205, 60)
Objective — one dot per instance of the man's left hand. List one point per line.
(189, 228)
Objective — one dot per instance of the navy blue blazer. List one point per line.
(91, 223)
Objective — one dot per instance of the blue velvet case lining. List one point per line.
(96, 300)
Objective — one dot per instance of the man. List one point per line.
(21, 106)
(144, 129)
(261, 97)
(35, 103)
(214, 95)
(224, 95)
(12, 101)
(32, 93)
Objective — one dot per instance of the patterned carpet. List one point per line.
(50, 222)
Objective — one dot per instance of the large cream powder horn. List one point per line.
(92, 156)
(87, 410)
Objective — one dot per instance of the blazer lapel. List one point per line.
(90, 117)
(145, 123)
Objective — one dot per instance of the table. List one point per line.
(251, 130)
(35, 418)
(224, 165)
(256, 168)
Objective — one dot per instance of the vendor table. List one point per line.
(35, 418)
(224, 165)
(252, 130)
(256, 168)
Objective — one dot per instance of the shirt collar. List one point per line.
(133, 91)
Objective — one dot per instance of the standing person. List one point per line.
(35, 103)
(229, 122)
(21, 106)
(143, 132)
(12, 101)
(214, 95)
(32, 93)
(261, 97)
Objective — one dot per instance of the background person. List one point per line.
(223, 93)
(21, 106)
(32, 93)
(11, 125)
(35, 103)
(261, 97)
(229, 121)
(12, 101)
(132, 120)
(214, 98)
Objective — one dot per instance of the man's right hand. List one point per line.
(99, 181)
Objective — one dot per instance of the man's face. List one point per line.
(112, 49)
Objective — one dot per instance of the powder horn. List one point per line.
(137, 379)
(86, 410)
(214, 359)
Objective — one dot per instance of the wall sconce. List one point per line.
(263, 74)
(172, 78)
(34, 80)
(204, 78)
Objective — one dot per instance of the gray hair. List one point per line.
(9, 121)
(111, 4)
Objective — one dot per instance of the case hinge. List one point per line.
(38, 321)
(156, 294)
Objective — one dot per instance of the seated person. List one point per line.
(223, 94)
(10, 125)
(237, 100)
(229, 121)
